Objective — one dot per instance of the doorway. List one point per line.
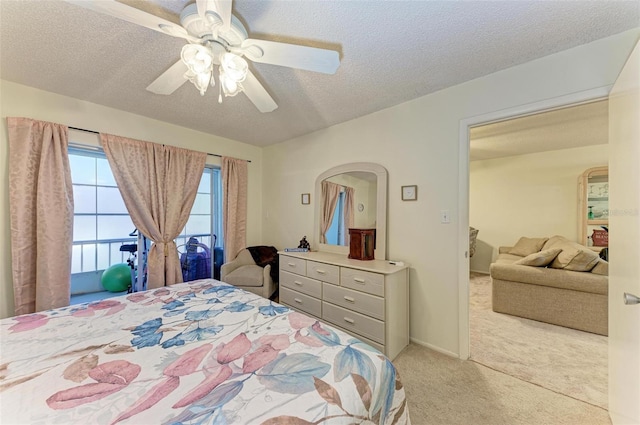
(487, 241)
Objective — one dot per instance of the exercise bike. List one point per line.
(138, 283)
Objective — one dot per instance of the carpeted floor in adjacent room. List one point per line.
(523, 373)
(564, 360)
(442, 390)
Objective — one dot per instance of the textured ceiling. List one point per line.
(391, 52)
(582, 125)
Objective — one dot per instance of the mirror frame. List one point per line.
(380, 252)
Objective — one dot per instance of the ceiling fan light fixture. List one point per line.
(230, 86)
(200, 80)
(197, 58)
(234, 67)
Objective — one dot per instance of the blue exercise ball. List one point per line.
(116, 278)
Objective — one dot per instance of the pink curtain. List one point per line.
(41, 209)
(234, 182)
(330, 193)
(348, 211)
(158, 184)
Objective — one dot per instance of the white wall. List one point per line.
(532, 195)
(417, 142)
(18, 100)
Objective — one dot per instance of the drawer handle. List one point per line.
(351, 300)
(359, 280)
(291, 264)
(297, 283)
(298, 300)
(320, 271)
(349, 320)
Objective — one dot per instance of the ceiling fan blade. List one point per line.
(135, 16)
(258, 94)
(223, 8)
(170, 80)
(291, 55)
(203, 6)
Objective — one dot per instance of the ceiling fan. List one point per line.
(217, 45)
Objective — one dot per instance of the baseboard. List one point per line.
(434, 348)
(480, 271)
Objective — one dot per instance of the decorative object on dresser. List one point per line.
(304, 243)
(362, 244)
(368, 299)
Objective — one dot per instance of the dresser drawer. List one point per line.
(323, 272)
(375, 345)
(372, 283)
(301, 284)
(293, 265)
(354, 300)
(354, 322)
(301, 301)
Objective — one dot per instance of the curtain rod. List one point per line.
(97, 132)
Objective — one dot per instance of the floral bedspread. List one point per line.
(192, 353)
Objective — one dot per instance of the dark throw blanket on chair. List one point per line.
(264, 255)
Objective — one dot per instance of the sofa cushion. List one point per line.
(527, 246)
(555, 278)
(249, 275)
(575, 257)
(540, 259)
(601, 268)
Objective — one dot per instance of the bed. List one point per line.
(192, 353)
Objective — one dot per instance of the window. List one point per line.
(205, 220)
(335, 234)
(102, 223)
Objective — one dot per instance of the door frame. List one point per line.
(463, 188)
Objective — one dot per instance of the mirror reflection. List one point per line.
(347, 200)
(338, 208)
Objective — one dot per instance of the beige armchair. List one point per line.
(244, 273)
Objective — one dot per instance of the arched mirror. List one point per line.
(351, 196)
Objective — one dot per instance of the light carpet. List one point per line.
(442, 390)
(564, 360)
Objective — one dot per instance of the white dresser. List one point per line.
(368, 299)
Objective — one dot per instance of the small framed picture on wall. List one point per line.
(306, 198)
(410, 193)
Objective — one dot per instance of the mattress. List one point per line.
(192, 353)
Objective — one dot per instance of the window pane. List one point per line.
(105, 175)
(114, 227)
(110, 201)
(205, 181)
(76, 264)
(198, 224)
(103, 256)
(118, 256)
(83, 169)
(84, 228)
(202, 204)
(88, 257)
(84, 199)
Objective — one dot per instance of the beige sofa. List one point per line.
(555, 293)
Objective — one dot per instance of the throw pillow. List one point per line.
(527, 246)
(555, 241)
(540, 259)
(575, 257)
(602, 268)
